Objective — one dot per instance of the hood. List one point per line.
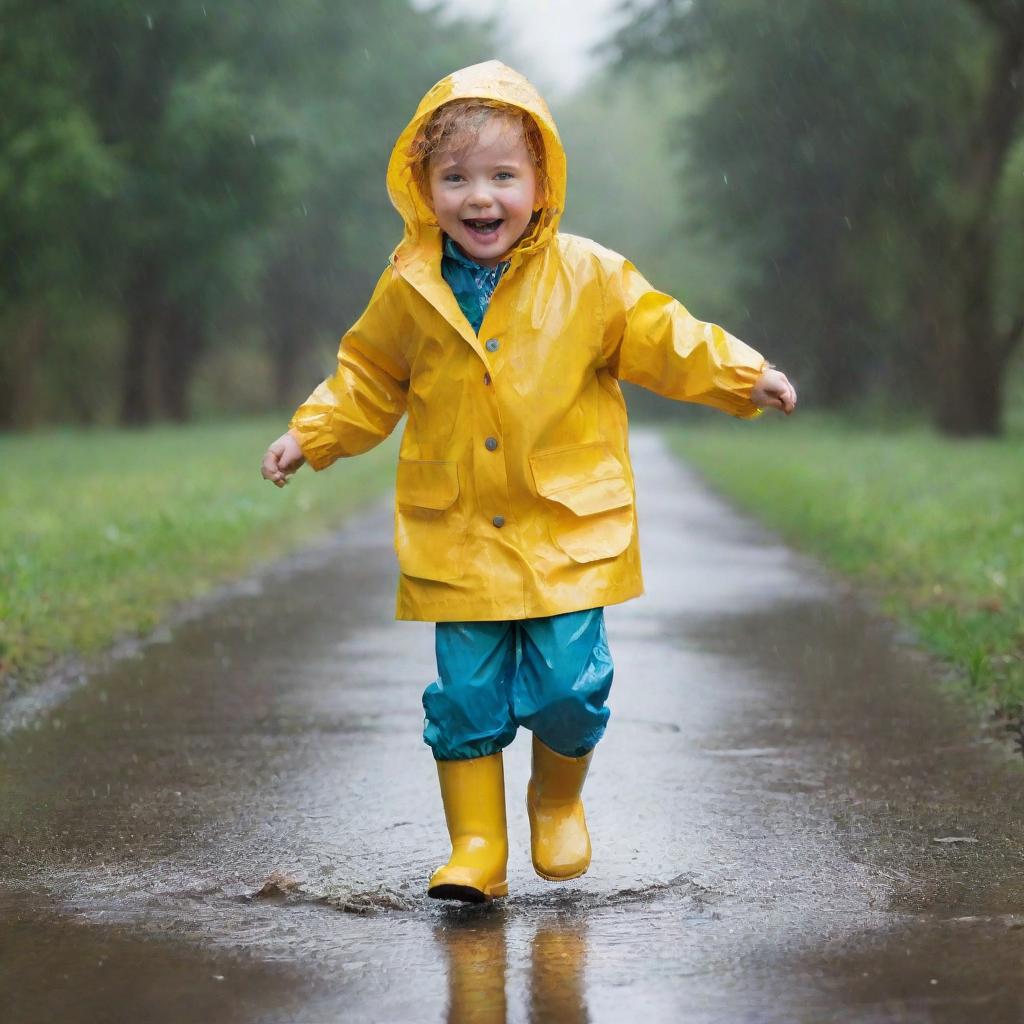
(491, 80)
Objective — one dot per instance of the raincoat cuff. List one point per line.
(738, 402)
(318, 447)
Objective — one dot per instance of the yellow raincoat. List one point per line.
(514, 491)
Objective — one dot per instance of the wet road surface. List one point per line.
(790, 821)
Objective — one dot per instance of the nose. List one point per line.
(481, 198)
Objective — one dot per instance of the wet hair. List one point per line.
(455, 126)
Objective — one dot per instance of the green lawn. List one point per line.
(934, 527)
(102, 531)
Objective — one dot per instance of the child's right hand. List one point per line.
(283, 458)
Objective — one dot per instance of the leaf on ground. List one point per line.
(370, 902)
(277, 884)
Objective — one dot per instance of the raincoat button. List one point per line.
(491, 444)
(492, 345)
(487, 378)
(498, 521)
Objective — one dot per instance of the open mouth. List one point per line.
(483, 227)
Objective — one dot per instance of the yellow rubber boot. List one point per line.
(559, 840)
(473, 792)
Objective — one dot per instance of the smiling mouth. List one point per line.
(483, 227)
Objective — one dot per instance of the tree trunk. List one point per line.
(969, 387)
(135, 407)
(282, 357)
(970, 355)
(180, 345)
(19, 365)
(136, 392)
(289, 328)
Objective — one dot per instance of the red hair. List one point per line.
(455, 126)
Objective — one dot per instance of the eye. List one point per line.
(452, 176)
(504, 175)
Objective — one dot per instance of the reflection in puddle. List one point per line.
(477, 955)
(556, 975)
(477, 958)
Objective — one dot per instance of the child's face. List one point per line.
(484, 196)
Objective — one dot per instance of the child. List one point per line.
(504, 341)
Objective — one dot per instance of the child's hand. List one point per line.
(283, 458)
(774, 391)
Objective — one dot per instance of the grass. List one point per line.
(103, 531)
(934, 527)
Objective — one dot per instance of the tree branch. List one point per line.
(993, 132)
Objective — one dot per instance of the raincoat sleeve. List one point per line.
(652, 340)
(359, 406)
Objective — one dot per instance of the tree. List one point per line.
(164, 88)
(351, 80)
(831, 142)
(194, 172)
(974, 344)
(54, 173)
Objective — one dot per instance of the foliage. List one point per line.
(860, 153)
(178, 175)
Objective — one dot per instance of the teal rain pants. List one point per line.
(550, 674)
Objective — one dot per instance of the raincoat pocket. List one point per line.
(590, 497)
(430, 530)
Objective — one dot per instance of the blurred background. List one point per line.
(193, 210)
(192, 201)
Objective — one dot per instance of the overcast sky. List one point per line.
(548, 40)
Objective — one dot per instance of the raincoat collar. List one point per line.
(453, 252)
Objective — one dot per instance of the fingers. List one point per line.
(783, 399)
(774, 391)
(786, 394)
(271, 467)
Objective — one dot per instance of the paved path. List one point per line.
(790, 823)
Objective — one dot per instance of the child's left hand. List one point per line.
(773, 390)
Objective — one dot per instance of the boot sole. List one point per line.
(561, 878)
(467, 893)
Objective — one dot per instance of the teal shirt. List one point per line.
(471, 284)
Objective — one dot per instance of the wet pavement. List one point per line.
(791, 822)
